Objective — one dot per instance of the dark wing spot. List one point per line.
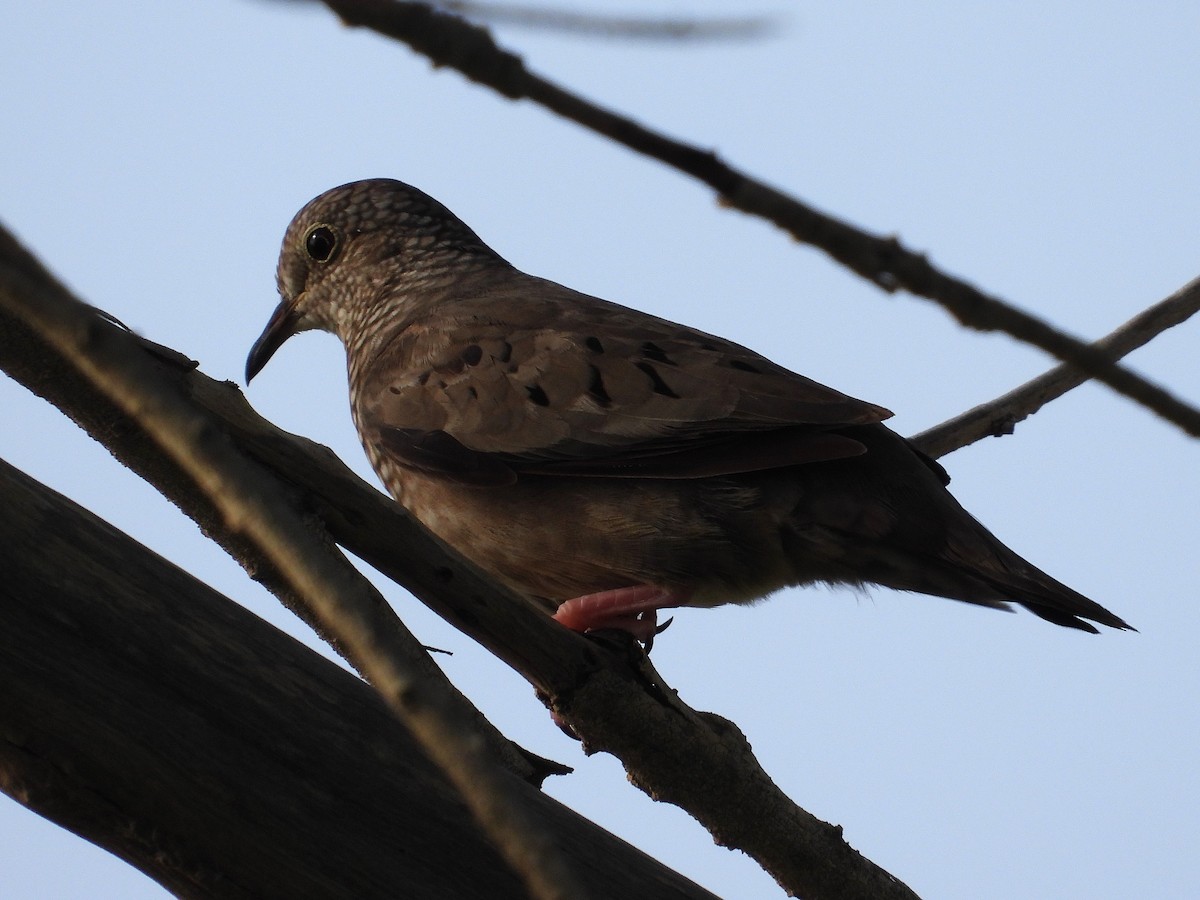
(423, 377)
(472, 354)
(660, 386)
(505, 352)
(596, 388)
(536, 395)
(744, 366)
(651, 350)
(593, 344)
(472, 393)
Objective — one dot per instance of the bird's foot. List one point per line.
(632, 609)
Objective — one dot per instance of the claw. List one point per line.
(632, 609)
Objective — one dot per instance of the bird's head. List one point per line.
(363, 253)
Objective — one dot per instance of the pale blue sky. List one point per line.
(153, 153)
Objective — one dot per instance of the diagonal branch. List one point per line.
(453, 42)
(1000, 416)
(611, 697)
(256, 507)
(170, 726)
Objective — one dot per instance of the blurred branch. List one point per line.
(1000, 416)
(450, 41)
(611, 26)
(604, 25)
(610, 695)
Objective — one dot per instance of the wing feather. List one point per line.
(574, 385)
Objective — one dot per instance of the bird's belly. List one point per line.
(559, 538)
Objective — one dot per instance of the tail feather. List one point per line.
(970, 565)
(981, 555)
(1055, 602)
(886, 517)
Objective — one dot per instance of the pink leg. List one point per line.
(631, 609)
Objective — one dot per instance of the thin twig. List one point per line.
(1000, 416)
(114, 362)
(606, 25)
(450, 41)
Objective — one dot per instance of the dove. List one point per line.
(607, 463)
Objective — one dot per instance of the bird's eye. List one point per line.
(321, 243)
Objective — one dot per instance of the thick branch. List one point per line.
(165, 723)
(450, 41)
(254, 507)
(1000, 416)
(613, 700)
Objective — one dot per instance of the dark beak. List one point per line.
(281, 327)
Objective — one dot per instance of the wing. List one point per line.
(487, 389)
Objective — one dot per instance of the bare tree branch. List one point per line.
(605, 25)
(610, 696)
(451, 41)
(613, 26)
(138, 703)
(1000, 416)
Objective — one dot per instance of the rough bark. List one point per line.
(160, 720)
